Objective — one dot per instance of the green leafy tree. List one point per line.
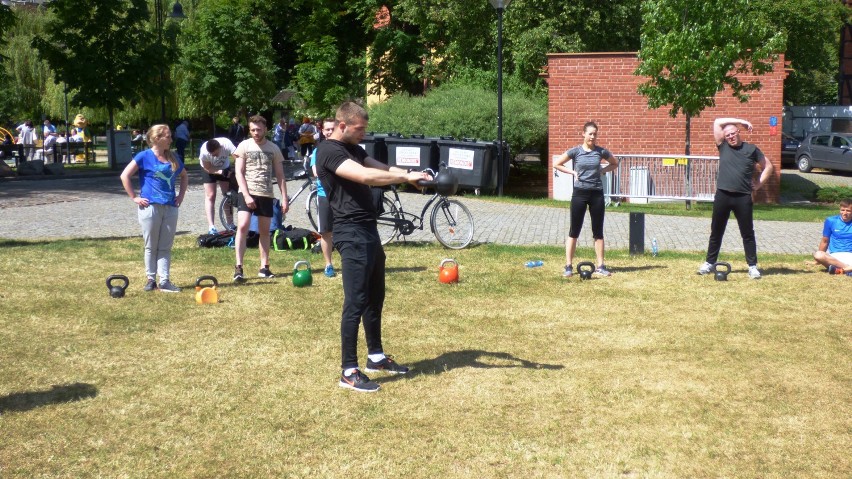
(226, 60)
(813, 30)
(443, 39)
(103, 51)
(7, 19)
(692, 50)
(24, 75)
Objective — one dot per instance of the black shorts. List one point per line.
(263, 205)
(208, 178)
(326, 217)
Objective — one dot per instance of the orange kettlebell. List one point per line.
(449, 273)
(206, 294)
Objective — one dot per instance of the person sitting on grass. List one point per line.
(835, 247)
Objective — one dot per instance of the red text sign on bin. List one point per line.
(461, 159)
(407, 156)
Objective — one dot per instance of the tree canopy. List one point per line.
(693, 50)
(105, 54)
(226, 60)
(236, 54)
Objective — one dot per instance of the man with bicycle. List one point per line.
(346, 174)
(215, 159)
(257, 160)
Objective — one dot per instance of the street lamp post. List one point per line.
(500, 6)
(177, 13)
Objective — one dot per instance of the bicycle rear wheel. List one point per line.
(312, 209)
(386, 222)
(228, 210)
(452, 224)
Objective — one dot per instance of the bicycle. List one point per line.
(450, 221)
(228, 204)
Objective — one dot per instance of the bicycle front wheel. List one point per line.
(228, 210)
(387, 221)
(312, 209)
(452, 224)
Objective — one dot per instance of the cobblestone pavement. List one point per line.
(98, 207)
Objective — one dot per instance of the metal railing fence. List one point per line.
(645, 178)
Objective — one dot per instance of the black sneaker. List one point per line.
(357, 381)
(265, 273)
(238, 274)
(387, 365)
(168, 287)
(151, 285)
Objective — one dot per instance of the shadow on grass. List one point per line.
(786, 271)
(425, 244)
(410, 269)
(469, 358)
(630, 269)
(26, 401)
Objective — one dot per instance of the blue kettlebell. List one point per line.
(302, 277)
(721, 271)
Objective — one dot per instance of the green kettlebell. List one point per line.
(586, 268)
(721, 275)
(302, 277)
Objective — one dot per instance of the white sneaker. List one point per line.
(705, 268)
(753, 272)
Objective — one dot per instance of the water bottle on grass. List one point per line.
(534, 263)
(655, 250)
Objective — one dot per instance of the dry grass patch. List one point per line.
(655, 372)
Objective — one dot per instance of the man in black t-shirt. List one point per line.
(734, 186)
(346, 173)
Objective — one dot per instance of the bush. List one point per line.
(466, 111)
(833, 194)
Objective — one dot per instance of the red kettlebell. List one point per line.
(450, 273)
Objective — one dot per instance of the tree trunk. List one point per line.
(113, 163)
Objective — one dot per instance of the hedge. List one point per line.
(465, 111)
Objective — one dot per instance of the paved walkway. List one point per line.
(97, 207)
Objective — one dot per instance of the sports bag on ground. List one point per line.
(287, 238)
(216, 240)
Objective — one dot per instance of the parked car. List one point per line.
(789, 145)
(832, 151)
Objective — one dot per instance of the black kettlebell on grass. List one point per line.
(115, 290)
(586, 268)
(721, 271)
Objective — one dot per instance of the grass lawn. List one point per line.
(516, 372)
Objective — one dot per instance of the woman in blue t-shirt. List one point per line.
(590, 162)
(157, 203)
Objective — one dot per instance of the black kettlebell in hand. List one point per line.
(117, 291)
(586, 268)
(721, 271)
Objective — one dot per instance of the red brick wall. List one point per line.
(601, 87)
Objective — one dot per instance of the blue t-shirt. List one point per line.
(320, 190)
(156, 179)
(839, 234)
(587, 164)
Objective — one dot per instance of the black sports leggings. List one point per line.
(594, 199)
(741, 204)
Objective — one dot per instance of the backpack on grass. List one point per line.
(216, 240)
(289, 238)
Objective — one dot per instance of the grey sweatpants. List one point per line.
(159, 224)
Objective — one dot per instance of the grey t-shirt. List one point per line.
(587, 164)
(736, 167)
